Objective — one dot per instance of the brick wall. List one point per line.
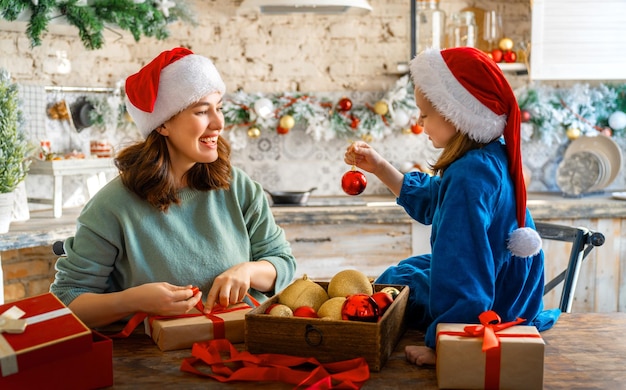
(270, 53)
(27, 272)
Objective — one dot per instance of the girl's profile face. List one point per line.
(192, 133)
(438, 128)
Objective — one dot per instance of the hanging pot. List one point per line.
(281, 198)
(81, 113)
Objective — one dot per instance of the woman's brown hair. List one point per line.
(459, 144)
(145, 170)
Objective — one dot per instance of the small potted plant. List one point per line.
(14, 147)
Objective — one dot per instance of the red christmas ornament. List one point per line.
(497, 55)
(282, 130)
(526, 117)
(355, 122)
(344, 104)
(383, 300)
(305, 311)
(353, 182)
(416, 129)
(360, 307)
(510, 56)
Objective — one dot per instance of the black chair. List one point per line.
(583, 241)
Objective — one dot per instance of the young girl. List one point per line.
(179, 215)
(486, 254)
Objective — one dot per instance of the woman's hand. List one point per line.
(232, 285)
(164, 299)
(153, 298)
(229, 287)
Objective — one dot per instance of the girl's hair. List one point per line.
(145, 170)
(459, 144)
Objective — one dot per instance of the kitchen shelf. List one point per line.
(518, 68)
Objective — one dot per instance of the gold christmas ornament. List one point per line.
(254, 132)
(367, 138)
(381, 108)
(287, 122)
(505, 44)
(407, 130)
(573, 133)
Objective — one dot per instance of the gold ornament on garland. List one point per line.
(573, 133)
(287, 122)
(254, 132)
(381, 108)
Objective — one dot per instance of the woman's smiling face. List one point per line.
(436, 126)
(192, 133)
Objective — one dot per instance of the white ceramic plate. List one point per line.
(599, 144)
(619, 195)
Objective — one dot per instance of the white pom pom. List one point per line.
(524, 242)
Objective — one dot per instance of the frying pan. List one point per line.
(290, 197)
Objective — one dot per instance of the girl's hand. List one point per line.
(362, 156)
(163, 298)
(229, 287)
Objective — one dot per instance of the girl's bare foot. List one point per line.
(420, 355)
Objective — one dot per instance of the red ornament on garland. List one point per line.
(282, 130)
(526, 116)
(360, 307)
(353, 182)
(344, 104)
(355, 122)
(416, 129)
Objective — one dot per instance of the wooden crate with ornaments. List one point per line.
(345, 318)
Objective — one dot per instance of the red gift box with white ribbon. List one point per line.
(36, 330)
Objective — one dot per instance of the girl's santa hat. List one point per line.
(469, 89)
(173, 81)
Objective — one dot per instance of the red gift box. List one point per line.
(52, 332)
(89, 370)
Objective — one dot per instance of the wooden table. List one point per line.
(583, 350)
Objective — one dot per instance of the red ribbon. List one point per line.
(228, 364)
(219, 329)
(490, 326)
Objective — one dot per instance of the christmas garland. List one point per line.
(140, 17)
(552, 114)
(549, 114)
(321, 117)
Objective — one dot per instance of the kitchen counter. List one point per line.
(381, 209)
(41, 229)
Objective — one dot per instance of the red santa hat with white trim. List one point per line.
(468, 88)
(171, 82)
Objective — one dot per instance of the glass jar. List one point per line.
(462, 30)
(430, 24)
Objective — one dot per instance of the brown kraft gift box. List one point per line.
(462, 364)
(328, 340)
(179, 333)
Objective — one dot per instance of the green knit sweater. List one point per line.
(122, 241)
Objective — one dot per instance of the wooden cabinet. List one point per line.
(325, 249)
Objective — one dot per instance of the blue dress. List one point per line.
(471, 208)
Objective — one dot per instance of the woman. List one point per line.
(179, 215)
(486, 254)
